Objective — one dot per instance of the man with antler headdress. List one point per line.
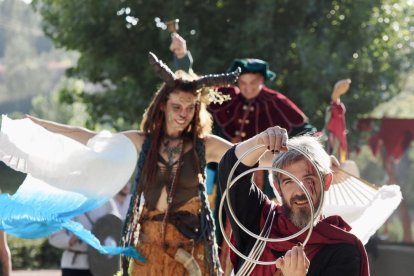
(169, 220)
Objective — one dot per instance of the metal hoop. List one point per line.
(297, 181)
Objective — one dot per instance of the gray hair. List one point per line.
(309, 144)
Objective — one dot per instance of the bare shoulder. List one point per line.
(136, 136)
(215, 147)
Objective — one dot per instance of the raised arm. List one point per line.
(274, 138)
(83, 135)
(246, 193)
(79, 134)
(178, 45)
(182, 57)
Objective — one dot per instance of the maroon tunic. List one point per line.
(244, 118)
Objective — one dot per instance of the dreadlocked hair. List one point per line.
(207, 221)
(131, 220)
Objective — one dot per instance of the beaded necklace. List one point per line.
(172, 151)
(175, 176)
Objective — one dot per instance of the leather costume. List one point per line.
(187, 227)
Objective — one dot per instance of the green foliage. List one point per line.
(52, 108)
(398, 107)
(310, 44)
(33, 254)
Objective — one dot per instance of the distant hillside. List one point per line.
(23, 106)
(29, 63)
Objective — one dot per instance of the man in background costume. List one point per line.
(254, 107)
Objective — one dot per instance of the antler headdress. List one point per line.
(214, 80)
(162, 70)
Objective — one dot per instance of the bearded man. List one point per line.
(330, 250)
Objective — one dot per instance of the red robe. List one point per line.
(331, 230)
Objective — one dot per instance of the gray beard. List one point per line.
(301, 218)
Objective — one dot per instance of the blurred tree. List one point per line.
(310, 44)
(49, 106)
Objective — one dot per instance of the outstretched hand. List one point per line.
(36, 120)
(178, 45)
(81, 135)
(294, 262)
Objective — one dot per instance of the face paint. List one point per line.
(295, 202)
